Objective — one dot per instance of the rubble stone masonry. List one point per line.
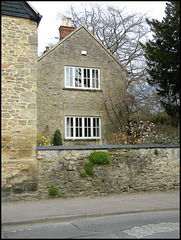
(18, 104)
(132, 169)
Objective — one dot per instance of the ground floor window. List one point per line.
(82, 127)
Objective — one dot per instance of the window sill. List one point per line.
(83, 89)
(81, 139)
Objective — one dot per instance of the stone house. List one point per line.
(74, 78)
(19, 170)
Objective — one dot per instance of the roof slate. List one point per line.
(19, 9)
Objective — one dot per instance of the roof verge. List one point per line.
(82, 26)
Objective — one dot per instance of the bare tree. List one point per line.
(121, 34)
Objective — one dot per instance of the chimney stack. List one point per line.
(47, 49)
(64, 29)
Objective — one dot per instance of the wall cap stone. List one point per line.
(96, 147)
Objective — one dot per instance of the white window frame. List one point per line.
(67, 129)
(74, 85)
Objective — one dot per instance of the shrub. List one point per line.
(156, 152)
(99, 158)
(57, 138)
(88, 169)
(95, 158)
(83, 174)
(53, 191)
(134, 133)
(43, 141)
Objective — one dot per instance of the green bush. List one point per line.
(53, 191)
(88, 168)
(95, 158)
(83, 174)
(156, 152)
(57, 138)
(99, 158)
(43, 141)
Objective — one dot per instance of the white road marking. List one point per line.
(142, 231)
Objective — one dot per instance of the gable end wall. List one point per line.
(55, 102)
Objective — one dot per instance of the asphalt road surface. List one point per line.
(155, 225)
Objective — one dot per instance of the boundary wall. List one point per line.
(133, 168)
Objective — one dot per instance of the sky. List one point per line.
(48, 28)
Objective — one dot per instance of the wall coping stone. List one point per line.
(96, 147)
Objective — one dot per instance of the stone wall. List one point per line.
(18, 104)
(132, 168)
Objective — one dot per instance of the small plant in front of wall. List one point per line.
(156, 152)
(43, 141)
(83, 174)
(57, 138)
(53, 191)
(95, 158)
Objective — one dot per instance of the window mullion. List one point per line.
(74, 127)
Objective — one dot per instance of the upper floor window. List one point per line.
(85, 78)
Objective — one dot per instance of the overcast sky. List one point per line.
(49, 24)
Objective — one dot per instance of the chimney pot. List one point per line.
(63, 22)
(69, 22)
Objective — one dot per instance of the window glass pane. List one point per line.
(85, 132)
(87, 77)
(80, 132)
(89, 122)
(72, 132)
(97, 122)
(95, 78)
(87, 127)
(94, 132)
(69, 76)
(78, 127)
(80, 122)
(98, 128)
(85, 122)
(72, 122)
(78, 77)
(89, 132)
(68, 128)
(76, 122)
(94, 122)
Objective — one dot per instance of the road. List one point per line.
(161, 224)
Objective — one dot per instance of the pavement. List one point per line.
(68, 209)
